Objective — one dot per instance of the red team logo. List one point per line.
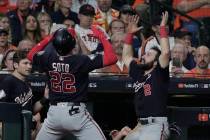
(147, 90)
(147, 87)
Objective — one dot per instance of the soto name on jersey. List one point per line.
(60, 67)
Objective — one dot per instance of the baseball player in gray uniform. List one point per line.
(68, 84)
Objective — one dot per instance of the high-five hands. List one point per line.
(164, 20)
(133, 24)
(97, 32)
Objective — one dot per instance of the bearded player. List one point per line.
(151, 79)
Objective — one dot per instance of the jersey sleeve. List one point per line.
(109, 56)
(4, 90)
(92, 62)
(38, 63)
(39, 47)
(36, 59)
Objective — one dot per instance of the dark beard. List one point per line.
(147, 66)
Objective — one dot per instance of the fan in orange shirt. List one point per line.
(199, 10)
(117, 40)
(193, 8)
(202, 59)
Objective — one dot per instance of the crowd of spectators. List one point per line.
(28, 22)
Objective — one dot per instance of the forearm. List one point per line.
(164, 43)
(127, 54)
(165, 49)
(40, 104)
(37, 107)
(186, 6)
(109, 56)
(39, 47)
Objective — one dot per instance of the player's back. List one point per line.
(68, 75)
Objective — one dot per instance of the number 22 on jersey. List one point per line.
(62, 82)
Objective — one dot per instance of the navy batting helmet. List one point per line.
(63, 41)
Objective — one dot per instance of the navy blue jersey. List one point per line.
(151, 91)
(68, 75)
(14, 90)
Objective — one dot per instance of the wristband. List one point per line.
(44, 101)
(163, 32)
(129, 39)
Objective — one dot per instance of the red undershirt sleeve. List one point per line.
(39, 47)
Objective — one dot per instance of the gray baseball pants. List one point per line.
(157, 130)
(61, 121)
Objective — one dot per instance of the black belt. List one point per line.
(146, 121)
(74, 106)
(55, 103)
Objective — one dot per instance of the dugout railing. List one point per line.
(15, 122)
(110, 99)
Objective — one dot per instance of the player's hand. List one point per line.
(113, 134)
(133, 24)
(46, 92)
(164, 20)
(125, 130)
(119, 135)
(55, 27)
(81, 45)
(97, 32)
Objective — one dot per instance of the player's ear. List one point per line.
(15, 65)
(155, 63)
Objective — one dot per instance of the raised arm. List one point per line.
(187, 6)
(164, 42)
(132, 28)
(109, 57)
(39, 47)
